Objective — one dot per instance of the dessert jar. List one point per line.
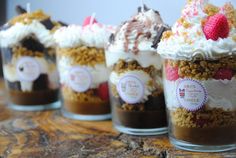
(84, 87)
(199, 77)
(83, 72)
(136, 93)
(135, 82)
(201, 103)
(29, 63)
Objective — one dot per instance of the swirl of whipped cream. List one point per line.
(138, 34)
(187, 40)
(95, 35)
(13, 35)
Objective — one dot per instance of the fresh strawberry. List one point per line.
(223, 74)
(87, 21)
(216, 27)
(172, 73)
(103, 91)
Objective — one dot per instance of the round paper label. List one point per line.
(130, 89)
(27, 69)
(191, 94)
(79, 79)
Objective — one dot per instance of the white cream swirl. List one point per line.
(137, 34)
(190, 42)
(13, 35)
(95, 35)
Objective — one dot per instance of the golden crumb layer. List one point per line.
(27, 18)
(89, 56)
(88, 96)
(19, 51)
(203, 118)
(202, 69)
(122, 66)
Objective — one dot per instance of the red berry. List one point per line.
(216, 27)
(172, 73)
(103, 91)
(223, 74)
(87, 21)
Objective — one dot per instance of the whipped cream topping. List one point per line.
(140, 33)
(99, 73)
(187, 39)
(94, 35)
(10, 74)
(16, 33)
(221, 93)
(143, 76)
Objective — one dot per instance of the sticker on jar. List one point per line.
(80, 79)
(191, 94)
(130, 89)
(27, 69)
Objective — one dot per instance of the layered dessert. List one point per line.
(28, 53)
(200, 76)
(82, 69)
(136, 80)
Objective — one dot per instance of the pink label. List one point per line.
(27, 69)
(130, 89)
(79, 79)
(191, 94)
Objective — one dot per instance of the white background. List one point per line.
(107, 11)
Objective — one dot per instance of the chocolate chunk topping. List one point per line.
(112, 38)
(32, 44)
(144, 7)
(160, 31)
(48, 24)
(63, 23)
(20, 10)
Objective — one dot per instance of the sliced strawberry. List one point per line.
(103, 91)
(87, 21)
(172, 73)
(223, 74)
(216, 27)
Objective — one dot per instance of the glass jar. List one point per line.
(136, 92)
(201, 103)
(84, 87)
(31, 76)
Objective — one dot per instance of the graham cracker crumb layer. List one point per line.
(27, 18)
(88, 96)
(203, 118)
(202, 69)
(21, 51)
(122, 66)
(88, 56)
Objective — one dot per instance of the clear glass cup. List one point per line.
(136, 93)
(201, 103)
(31, 76)
(84, 87)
